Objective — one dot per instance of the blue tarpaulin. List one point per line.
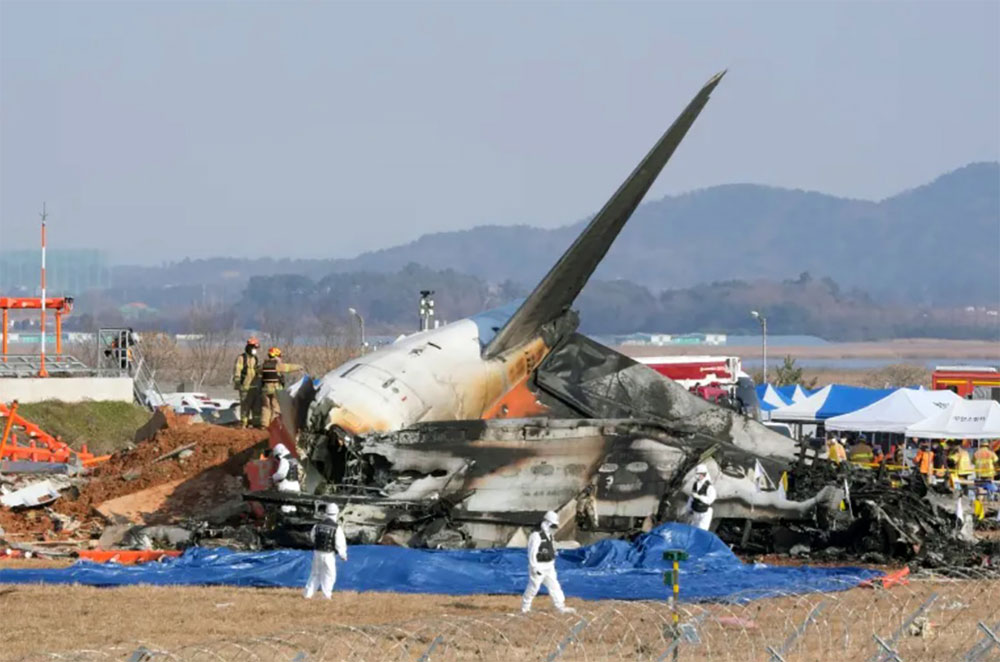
(609, 569)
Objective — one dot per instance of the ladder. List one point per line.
(118, 354)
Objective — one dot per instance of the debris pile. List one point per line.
(883, 520)
(176, 470)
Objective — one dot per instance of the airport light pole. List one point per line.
(763, 339)
(361, 325)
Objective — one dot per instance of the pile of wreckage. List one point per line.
(176, 469)
(185, 483)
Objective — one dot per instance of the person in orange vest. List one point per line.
(925, 461)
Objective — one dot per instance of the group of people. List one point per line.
(952, 461)
(258, 383)
(328, 542)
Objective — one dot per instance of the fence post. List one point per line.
(426, 657)
(574, 631)
(981, 647)
(777, 656)
(879, 656)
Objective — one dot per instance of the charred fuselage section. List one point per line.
(493, 478)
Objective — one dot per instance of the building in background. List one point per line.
(68, 271)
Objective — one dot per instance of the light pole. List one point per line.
(763, 338)
(361, 325)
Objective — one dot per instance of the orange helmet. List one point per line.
(274, 352)
(253, 342)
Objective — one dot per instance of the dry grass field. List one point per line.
(224, 623)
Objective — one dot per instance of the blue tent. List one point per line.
(832, 400)
(794, 392)
(771, 398)
(609, 569)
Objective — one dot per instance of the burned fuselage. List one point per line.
(492, 478)
(490, 421)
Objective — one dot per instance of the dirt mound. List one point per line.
(209, 450)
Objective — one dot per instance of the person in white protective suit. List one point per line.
(542, 566)
(699, 504)
(327, 538)
(286, 476)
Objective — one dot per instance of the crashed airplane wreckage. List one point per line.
(466, 434)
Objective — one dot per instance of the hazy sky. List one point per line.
(164, 130)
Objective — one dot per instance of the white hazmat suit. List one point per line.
(703, 495)
(542, 566)
(323, 574)
(286, 476)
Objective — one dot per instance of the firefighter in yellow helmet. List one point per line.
(272, 377)
(246, 382)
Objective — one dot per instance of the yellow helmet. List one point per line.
(274, 352)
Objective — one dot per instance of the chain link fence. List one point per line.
(933, 617)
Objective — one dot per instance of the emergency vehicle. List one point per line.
(970, 382)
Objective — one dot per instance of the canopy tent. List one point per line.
(770, 398)
(895, 412)
(794, 392)
(829, 401)
(963, 419)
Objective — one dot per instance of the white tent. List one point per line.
(895, 412)
(799, 394)
(963, 419)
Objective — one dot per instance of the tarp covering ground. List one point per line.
(609, 569)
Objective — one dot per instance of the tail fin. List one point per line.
(556, 292)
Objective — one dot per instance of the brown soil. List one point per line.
(382, 626)
(218, 451)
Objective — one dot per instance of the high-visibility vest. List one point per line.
(836, 452)
(985, 462)
(862, 453)
(925, 460)
(964, 463)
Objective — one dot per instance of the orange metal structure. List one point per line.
(23, 440)
(60, 305)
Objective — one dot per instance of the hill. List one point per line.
(929, 245)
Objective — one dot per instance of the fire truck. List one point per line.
(718, 379)
(970, 382)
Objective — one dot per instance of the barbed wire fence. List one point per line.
(933, 617)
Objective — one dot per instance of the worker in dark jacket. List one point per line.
(272, 378)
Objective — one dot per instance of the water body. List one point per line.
(866, 364)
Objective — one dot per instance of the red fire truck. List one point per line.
(719, 379)
(970, 382)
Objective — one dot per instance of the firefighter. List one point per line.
(542, 566)
(327, 538)
(860, 452)
(245, 381)
(985, 460)
(272, 378)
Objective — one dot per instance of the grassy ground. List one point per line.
(103, 426)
